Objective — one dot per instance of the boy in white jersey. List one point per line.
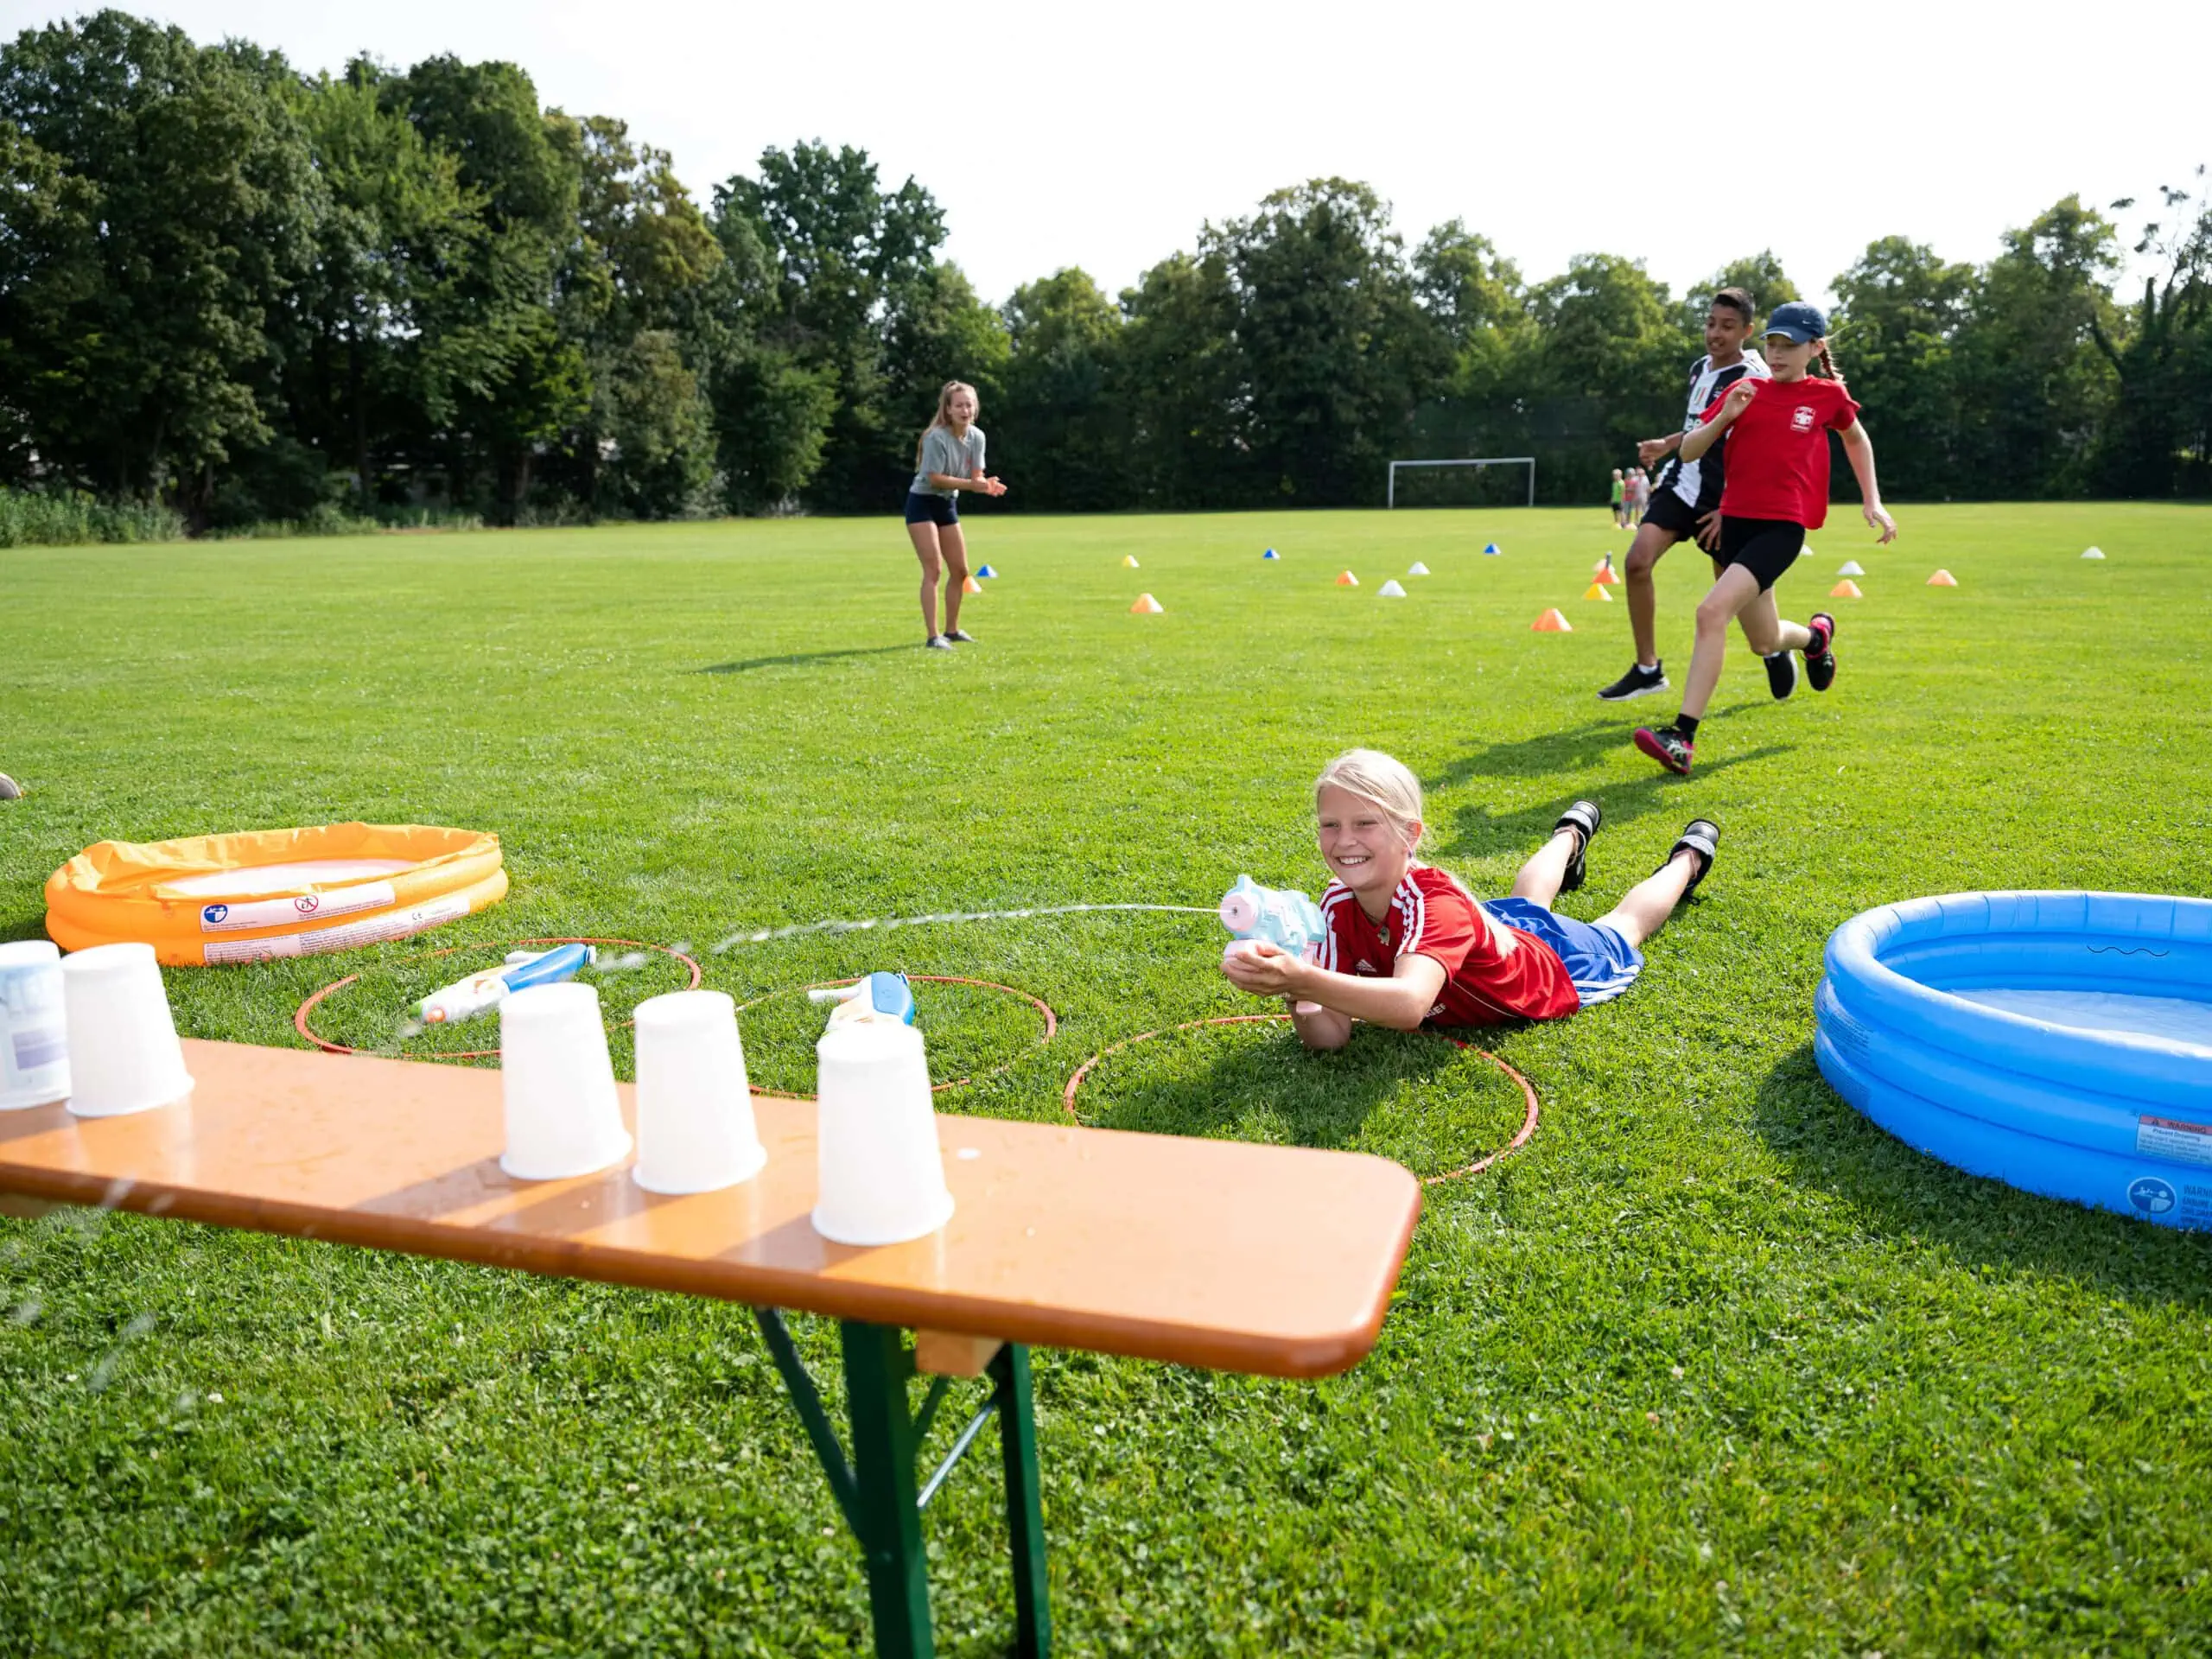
(1686, 498)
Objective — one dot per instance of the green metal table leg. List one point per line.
(886, 1516)
(1025, 1509)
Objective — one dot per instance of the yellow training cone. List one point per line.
(1845, 590)
(1942, 579)
(971, 586)
(1128, 561)
(1551, 622)
(1147, 605)
(1597, 590)
(1347, 579)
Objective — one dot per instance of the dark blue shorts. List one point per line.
(943, 511)
(1600, 961)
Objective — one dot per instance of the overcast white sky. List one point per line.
(1104, 137)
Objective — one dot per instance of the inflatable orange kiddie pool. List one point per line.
(272, 892)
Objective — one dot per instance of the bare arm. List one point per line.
(1859, 450)
(1651, 449)
(1401, 1001)
(1699, 439)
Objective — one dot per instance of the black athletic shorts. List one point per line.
(943, 511)
(1766, 547)
(1669, 512)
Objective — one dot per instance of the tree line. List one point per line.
(253, 293)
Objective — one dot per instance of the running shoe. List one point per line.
(1820, 659)
(937, 642)
(10, 789)
(958, 636)
(1667, 747)
(1781, 674)
(1639, 682)
(1583, 817)
(1702, 836)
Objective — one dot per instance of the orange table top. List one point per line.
(1273, 1260)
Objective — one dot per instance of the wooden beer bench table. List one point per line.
(1272, 1261)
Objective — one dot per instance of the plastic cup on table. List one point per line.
(33, 1031)
(881, 1170)
(123, 1047)
(563, 1117)
(696, 1132)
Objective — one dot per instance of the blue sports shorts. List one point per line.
(1600, 961)
(943, 511)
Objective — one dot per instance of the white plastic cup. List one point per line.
(557, 1081)
(881, 1179)
(696, 1132)
(33, 1031)
(123, 1047)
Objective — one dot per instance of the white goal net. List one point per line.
(1478, 462)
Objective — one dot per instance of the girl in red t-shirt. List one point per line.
(1406, 944)
(1778, 489)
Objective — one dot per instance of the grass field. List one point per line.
(1712, 1366)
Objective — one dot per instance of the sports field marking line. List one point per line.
(881, 924)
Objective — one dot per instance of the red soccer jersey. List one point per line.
(1492, 973)
(1779, 449)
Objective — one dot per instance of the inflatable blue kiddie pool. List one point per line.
(2061, 1042)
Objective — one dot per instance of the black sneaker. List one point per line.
(958, 636)
(1639, 682)
(1781, 674)
(937, 642)
(1820, 660)
(1583, 817)
(1667, 747)
(1702, 836)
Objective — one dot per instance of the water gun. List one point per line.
(1284, 916)
(480, 993)
(875, 999)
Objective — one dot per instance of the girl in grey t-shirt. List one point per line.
(948, 459)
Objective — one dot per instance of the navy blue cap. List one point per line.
(1799, 322)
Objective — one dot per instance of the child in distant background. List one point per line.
(1407, 943)
(1620, 500)
(948, 459)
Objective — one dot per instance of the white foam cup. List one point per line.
(881, 1174)
(33, 1031)
(563, 1117)
(695, 1110)
(123, 1047)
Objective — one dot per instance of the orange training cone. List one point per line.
(1147, 605)
(1605, 575)
(1597, 590)
(1551, 622)
(1347, 579)
(1942, 579)
(1845, 590)
(971, 586)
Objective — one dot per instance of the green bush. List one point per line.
(55, 517)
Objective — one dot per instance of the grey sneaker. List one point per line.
(958, 636)
(937, 642)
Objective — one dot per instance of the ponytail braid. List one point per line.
(1827, 365)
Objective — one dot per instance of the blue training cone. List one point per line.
(1491, 551)
(987, 572)
(1271, 554)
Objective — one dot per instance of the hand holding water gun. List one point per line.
(877, 998)
(480, 993)
(1281, 917)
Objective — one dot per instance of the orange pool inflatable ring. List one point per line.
(272, 892)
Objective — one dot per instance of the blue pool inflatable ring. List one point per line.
(2061, 1042)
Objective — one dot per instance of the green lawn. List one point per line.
(1711, 1366)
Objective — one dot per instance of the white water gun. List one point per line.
(1284, 916)
(480, 993)
(874, 999)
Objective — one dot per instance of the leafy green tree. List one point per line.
(1760, 276)
(1065, 431)
(1607, 371)
(2159, 438)
(163, 208)
(939, 331)
(1902, 309)
(1181, 384)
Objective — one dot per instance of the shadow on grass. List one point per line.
(800, 659)
(1913, 1198)
(1478, 832)
(29, 925)
(1579, 748)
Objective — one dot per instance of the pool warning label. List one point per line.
(2175, 1140)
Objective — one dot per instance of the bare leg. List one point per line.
(1651, 900)
(923, 535)
(1547, 867)
(1736, 588)
(1643, 554)
(953, 540)
(1765, 629)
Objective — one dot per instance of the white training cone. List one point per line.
(881, 1172)
(123, 1045)
(1852, 567)
(1417, 569)
(33, 1031)
(696, 1132)
(563, 1117)
(1390, 590)
(2095, 553)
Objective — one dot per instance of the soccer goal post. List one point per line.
(1530, 461)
